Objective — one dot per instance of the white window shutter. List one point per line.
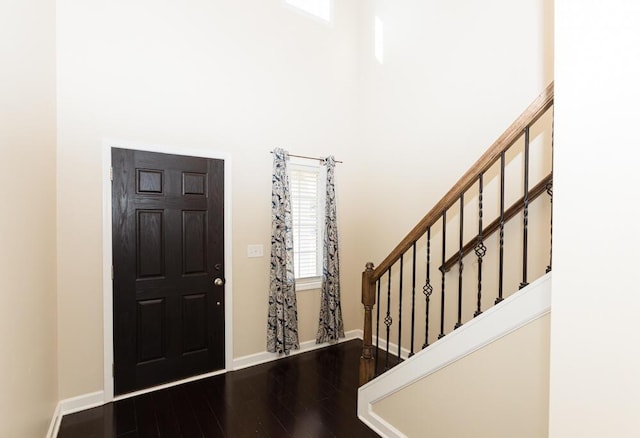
(307, 210)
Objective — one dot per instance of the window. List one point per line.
(321, 9)
(307, 208)
(379, 40)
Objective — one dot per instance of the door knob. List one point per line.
(218, 281)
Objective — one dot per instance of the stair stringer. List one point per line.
(518, 310)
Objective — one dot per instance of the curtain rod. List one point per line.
(308, 158)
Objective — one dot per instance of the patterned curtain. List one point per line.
(330, 327)
(282, 326)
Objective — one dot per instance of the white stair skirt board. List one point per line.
(525, 306)
(265, 356)
(54, 425)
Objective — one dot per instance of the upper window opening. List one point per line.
(379, 40)
(322, 9)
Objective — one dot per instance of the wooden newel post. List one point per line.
(368, 300)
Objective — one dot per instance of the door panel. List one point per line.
(194, 323)
(194, 238)
(168, 246)
(151, 330)
(150, 243)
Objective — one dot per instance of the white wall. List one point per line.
(28, 358)
(235, 77)
(594, 330)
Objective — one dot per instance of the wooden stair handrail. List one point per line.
(370, 276)
(494, 226)
(508, 138)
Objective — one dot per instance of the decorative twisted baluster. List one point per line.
(427, 290)
(444, 250)
(388, 320)
(501, 253)
(480, 248)
(525, 212)
(460, 265)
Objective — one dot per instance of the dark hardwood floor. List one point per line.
(308, 395)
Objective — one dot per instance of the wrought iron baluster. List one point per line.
(413, 301)
(525, 212)
(501, 262)
(444, 250)
(549, 188)
(375, 366)
(427, 290)
(400, 308)
(480, 248)
(388, 320)
(550, 193)
(460, 266)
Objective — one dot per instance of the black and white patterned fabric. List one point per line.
(330, 327)
(282, 325)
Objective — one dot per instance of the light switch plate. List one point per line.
(255, 251)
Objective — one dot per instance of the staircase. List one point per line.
(454, 279)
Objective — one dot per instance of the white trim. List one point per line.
(73, 405)
(81, 402)
(311, 283)
(169, 385)
(263, 357)
(513, 313)
(107, 255)
(54, 425)
(107, 287)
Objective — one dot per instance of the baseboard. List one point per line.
(88, 401)
(71, 405)
(169, 385)
(393, 348)
(54, 426)
(81, 402)
(263, 357)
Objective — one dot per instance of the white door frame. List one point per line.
(107, 255)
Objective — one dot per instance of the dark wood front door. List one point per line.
(168, 251)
